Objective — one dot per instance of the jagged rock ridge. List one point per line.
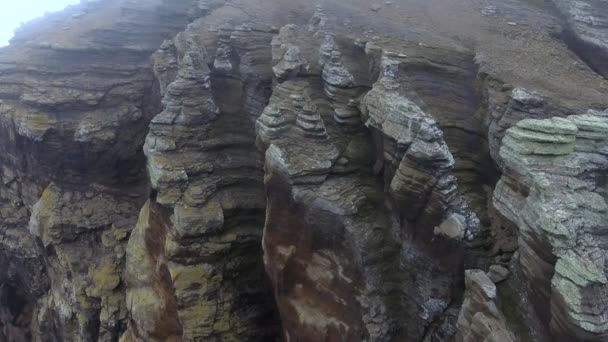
(234, 171)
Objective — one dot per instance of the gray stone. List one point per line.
(498, 273)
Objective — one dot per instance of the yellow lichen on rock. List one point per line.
(105, 278)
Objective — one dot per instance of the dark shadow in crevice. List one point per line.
(594, 57)
(15, 314)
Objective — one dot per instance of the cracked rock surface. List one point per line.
(255, 170)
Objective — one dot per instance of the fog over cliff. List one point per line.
(15, 13)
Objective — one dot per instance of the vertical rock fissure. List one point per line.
(208, 176)
(584, 27)
(327, 181)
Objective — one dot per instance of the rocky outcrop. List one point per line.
(235, 171)
(199, 238)
(587, 30)
(355, 182)
(480, 319)
(76, 103)
(554, 191)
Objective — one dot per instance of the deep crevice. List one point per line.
(594, 57)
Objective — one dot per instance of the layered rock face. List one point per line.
(194, 265)
(76, 102)
(261, 170)
(360, 195)
(587, 31)
(480, 319)
(555, 191)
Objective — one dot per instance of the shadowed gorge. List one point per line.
(274, 170)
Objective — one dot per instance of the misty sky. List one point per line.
(14, 12)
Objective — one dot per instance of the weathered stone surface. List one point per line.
(320, 187)
(78, 226)
(587, 30)
(76, 103)
(480, 319)
(323, 179)
(498, 273)
(559, 207)
(207, 213)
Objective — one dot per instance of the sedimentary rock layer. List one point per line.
(555, 192)
(260, 170)
(76, 102)
(587, 30)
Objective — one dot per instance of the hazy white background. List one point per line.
(15, 12)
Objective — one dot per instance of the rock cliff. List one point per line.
(254, 170)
